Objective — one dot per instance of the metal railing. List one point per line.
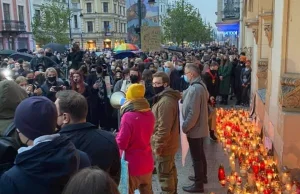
(13, 25)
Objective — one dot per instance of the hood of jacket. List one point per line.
(11, 94)
(169, 92)
(52, 162)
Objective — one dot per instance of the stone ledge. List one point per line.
(289, 97)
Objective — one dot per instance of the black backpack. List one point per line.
(9, 145)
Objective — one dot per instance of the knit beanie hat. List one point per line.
(243, 58)
(135, 91)
(36, 116)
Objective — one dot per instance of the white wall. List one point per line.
(276, 70)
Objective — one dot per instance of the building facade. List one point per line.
(75, 23)
(271, 39)
(104, 24)
(228, 20)
(15, 25)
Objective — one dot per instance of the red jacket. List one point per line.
(134, 137)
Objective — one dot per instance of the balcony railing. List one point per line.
(230, 14)
(13, 26)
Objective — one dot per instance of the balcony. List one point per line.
(231, 14)
(13, 27)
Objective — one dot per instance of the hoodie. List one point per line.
(44, 169)
(11, 94)
(166, 131)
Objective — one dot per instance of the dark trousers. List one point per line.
(245, 97)
(238, 93)
(199, 159)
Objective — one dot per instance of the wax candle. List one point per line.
(232, 166)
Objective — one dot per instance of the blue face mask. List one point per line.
(160, 69)
(167, 70)
(179, 68)
(185, 79)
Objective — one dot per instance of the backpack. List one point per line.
(9, 146)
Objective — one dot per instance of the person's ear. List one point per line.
(165, 85)
(66, 118)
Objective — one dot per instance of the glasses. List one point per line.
(157, 84)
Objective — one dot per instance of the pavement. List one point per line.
(215, 156)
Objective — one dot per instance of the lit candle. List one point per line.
(284, 178)
(232, 180)
(232, 166)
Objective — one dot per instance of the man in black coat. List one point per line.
(99, 145)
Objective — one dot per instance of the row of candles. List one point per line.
(253, 167)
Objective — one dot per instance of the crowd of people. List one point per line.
(61, 123)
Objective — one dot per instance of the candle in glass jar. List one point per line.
(232, 166)
(232, 179)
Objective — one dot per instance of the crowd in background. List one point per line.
(80, 84)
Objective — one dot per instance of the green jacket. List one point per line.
(11, 94)
(225, 71)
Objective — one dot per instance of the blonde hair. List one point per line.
(21, 79)
(50, 69)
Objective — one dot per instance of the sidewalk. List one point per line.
(214, 155)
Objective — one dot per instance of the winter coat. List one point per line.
(45, 168)
(11, 94)
(46, 89)
(75, 58)
(225, 71)
(195, 110)
(134, 138)
(166, 130)
(99, 145)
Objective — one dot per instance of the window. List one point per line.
(123, 10)
(120, 10)
(106, 26)
(116, 26)
(37, 13)
(105, 7)
(125, 28)
(115, 8)
(89, 7)
(75, 21)
(250, 8)
(90, 26)
(21, 13)
(6, 11)
(120, 26)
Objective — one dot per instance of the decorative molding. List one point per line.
(290, 92)
(267, 17)
(255, 34)
(268, 33)
(262, 69)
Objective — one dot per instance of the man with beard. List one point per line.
(166, 131)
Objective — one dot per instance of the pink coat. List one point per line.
(134, 138)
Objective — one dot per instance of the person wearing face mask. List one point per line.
(40, 59)
(99, 104)
(246, 81)
(134, 78)
(225, 78)
(179, 68)
(52, 84)
(211, 80)
(195, 125)
(48, 53)
(31, 82)
(166, 131)
(35, 121)
(170, 70)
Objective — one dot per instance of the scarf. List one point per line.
(137, 105)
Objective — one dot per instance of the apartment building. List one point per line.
(15, 29)
(104, 24)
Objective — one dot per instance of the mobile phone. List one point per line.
(58, 88)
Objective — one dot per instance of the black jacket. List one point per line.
(44, 169)
(212, 86)
(100, 146)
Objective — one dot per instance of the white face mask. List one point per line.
(39, 55)
(113, 67)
